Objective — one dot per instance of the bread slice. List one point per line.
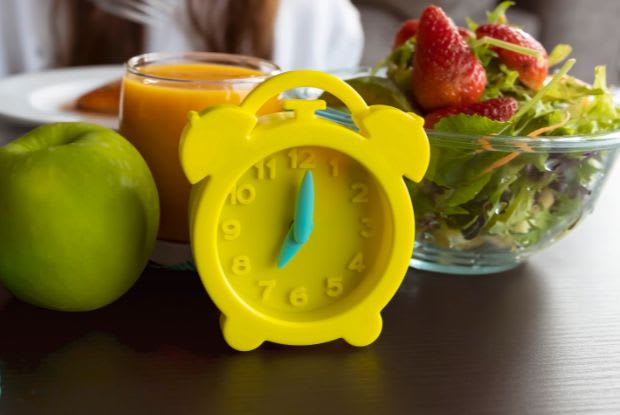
(102, 100)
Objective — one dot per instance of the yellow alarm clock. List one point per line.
(301, 229)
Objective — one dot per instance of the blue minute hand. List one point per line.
(303, 223)
(304, 210)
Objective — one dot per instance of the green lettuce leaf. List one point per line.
(469, 124)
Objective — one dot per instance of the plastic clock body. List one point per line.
(301, 229)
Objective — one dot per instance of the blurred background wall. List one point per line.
(591, 27)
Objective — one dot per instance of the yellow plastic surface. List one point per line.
(246, 173)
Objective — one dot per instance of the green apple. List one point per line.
(79, 213)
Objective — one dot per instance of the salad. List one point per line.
(492, 81)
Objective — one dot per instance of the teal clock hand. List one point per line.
(304, 210)
(303, 223)
(289, 249)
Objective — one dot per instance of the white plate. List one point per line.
(43, 97)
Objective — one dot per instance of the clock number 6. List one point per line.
(298, 297)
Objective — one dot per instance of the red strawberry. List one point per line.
(410, 28)
(465, 33)
(445, 70)
(531, 72)
(406, 31)
(498, 109)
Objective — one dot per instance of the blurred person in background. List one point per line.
(294, 34)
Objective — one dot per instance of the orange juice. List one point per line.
(155, 101)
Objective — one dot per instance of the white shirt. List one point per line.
(309, 34)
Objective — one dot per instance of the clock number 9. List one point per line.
(302, 159)
(333, 286)
(360, 191)
(244, 194)
(231, 229)
(298, 297)
(241, 265)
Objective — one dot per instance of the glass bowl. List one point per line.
(487, 203)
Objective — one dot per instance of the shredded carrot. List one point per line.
(542, 130)
(485, 144)
(523, 146)
(499, 163)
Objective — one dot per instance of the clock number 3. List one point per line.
(366, 231)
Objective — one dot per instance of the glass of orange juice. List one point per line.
(159, 89)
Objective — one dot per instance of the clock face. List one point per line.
(348, 246)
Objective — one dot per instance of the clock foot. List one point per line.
(239, 336)
(365, 331)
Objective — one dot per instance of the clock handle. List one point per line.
(305, 78)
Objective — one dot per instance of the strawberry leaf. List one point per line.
(502, 81)
(499, 14)
(398, 64)
(471, 24)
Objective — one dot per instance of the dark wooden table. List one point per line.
(541, 339)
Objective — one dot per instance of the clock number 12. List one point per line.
(302, 159)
